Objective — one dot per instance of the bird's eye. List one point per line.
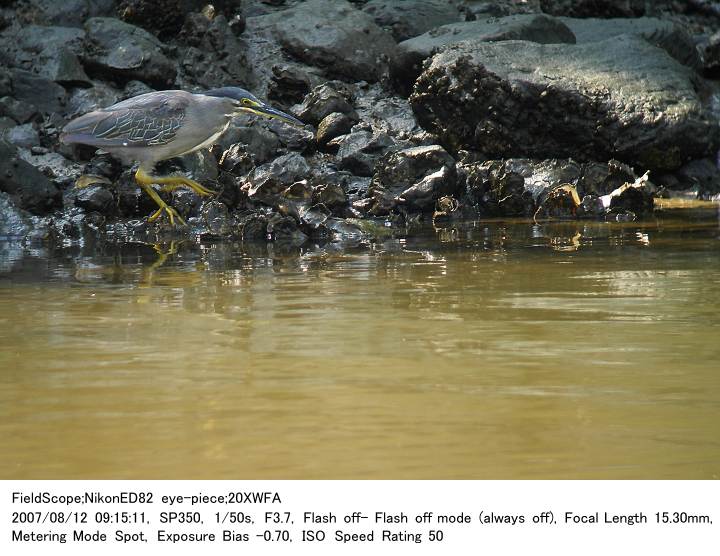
(247, 102)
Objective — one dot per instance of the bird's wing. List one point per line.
(143, 121)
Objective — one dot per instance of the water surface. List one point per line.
(488, 350)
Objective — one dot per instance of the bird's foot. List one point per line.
(171, 213)
(192, 184)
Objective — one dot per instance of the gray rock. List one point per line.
(260, 143)
(407, 65)
(82, 101)
(359, 151)
(621, 98)
(271, 178)
(59, 169)
(333, 125)
(323, 101)
(121, 49)
(70, 13)
(237, 160)
(216, 43)
(405, 21)
(18, 112)
(666, 34)
(415, 177)
(28, 187)
(35, 93)
(331, 34)
(22, 136)
(96, 198)
(388, 114)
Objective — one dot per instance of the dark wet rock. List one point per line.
(321, 102)
(711, 55)
(216, 42)
(84, 100)
(252, 226)
(408, 63)
(19, 112)
(50, 52)
(69, 13)
(415, 177)
(104, 165)
(59, 169)
(388, 114)
(621, 98)
(520, 187)
(6, 123)
(331, 195)
(333, 125)
(594, 8)
(217, 219)
(272, 178)
(167, 17)
(405, 21)
(701, 175)
(22, 136)
(14, 222)
(28, 187)
(34, 93)
(123, 50)
(331, 34)
(290, 83)
(292, 137)
(259, 143)
(237, 160)
(284, 228)
(359, 151)
(96, 198)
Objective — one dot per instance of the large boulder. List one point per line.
(27, 93)
(407, 64)
(331, 34)
(621, 98)
(50, 52)
(27, 186)
(118, 49)
(666, 34)
(405, 23)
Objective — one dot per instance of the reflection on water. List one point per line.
(484, 351)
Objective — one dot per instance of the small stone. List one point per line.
(95, 198)
(333, 125)
(22, 136)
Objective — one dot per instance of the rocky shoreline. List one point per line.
(431, 110)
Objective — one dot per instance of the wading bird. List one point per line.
(156, 126)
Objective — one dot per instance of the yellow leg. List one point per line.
(145, 181)
(171, 183)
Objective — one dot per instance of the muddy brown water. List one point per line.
(487, 350)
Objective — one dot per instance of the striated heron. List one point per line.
(156, 126)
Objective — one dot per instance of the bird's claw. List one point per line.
(172, 214)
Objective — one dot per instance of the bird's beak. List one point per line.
(270, 112)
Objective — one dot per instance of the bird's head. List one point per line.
(244, 101)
